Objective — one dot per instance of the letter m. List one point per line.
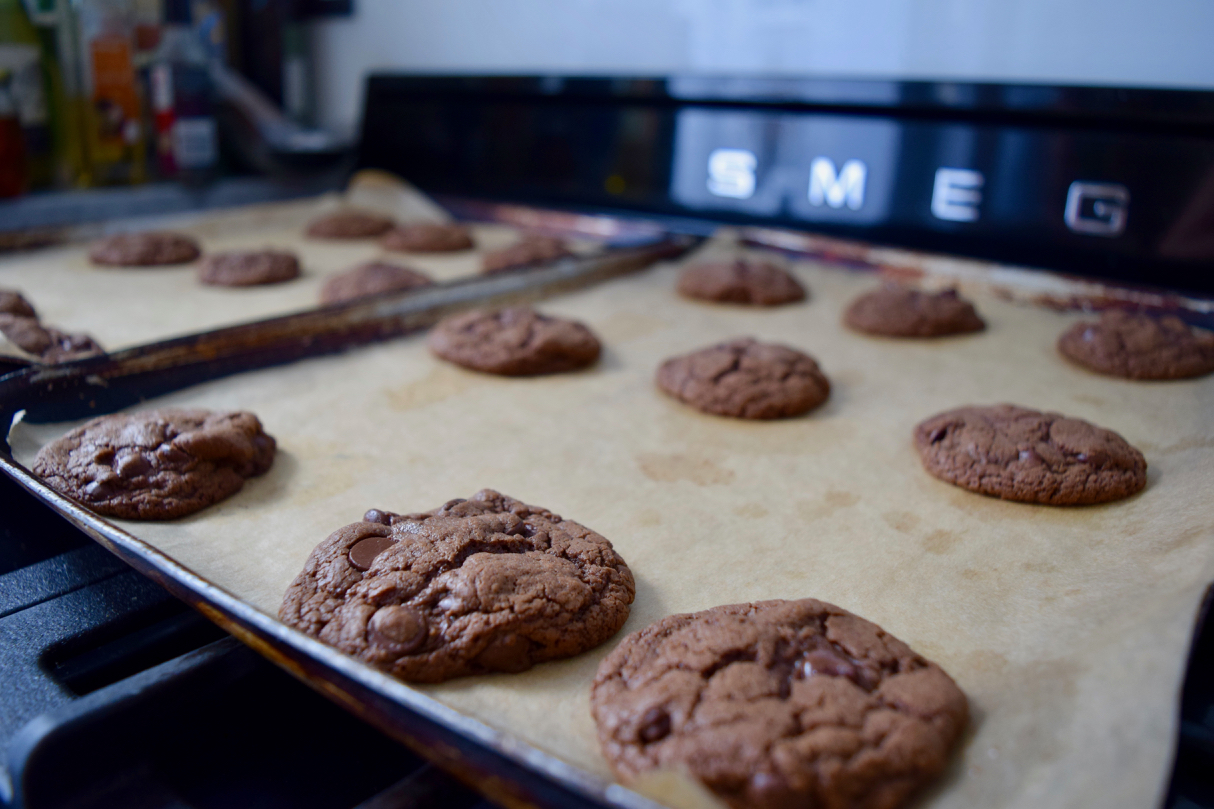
(837, 189)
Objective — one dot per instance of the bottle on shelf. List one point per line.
(114, 137)
(54, 31)
(187, 137)
(21, 55)
(12, 146)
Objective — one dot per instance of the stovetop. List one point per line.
(115, 694)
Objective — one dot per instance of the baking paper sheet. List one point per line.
(1067, 628)
(123, 307)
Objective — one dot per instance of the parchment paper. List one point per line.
(127, 306)
(1067, 628)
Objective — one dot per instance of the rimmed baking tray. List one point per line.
(124, 307)
(105, 384)
(1067, 628)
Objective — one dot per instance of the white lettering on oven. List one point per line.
(837, 188)
(731, 173)
(957, 194)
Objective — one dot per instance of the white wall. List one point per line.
(1161, 43)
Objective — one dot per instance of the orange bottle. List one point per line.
(114, 137)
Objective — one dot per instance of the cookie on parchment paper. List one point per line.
(1019, 454)
(47, 343)
(13, 302)
(157, 464)
(371, 279)
(900, 311)
(517, 341)
(1137, 346)
(350, 223)
(746, 379)
(246, 268)
(144, 249)
(778, 704)
(530, 250)
(476, 586)
(427, 237)
(742, 280)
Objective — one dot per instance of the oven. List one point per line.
(117, 694)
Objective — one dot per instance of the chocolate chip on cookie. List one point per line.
(899, 311)
(156, 464)
(531, 250)
(1019, 454)
(349, 224)
(483, 585)
(144, 249)
(371, 279)
(48, 344)
(514, 342)
(1136, 346)
(746, 379)
(427, 237)
(13, 302)
(778, 704)
(246, 268)
(748, 281)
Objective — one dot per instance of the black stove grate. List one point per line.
(115, 694)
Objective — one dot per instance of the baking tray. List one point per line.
(123, 307)
(1067, 628)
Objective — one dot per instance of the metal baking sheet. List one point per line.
(123, 307)
(1066, 627)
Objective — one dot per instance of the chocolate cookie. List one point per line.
(1019, 454)
(427, 237)
(778, 704)
(157, 464)
(14, 303)
(144, 249)
(1139, 347)
(48, 344)
(514, 342)
(899, 311)
(532, 249)
(477, 586)
(348, 224)
(746, 379)
(371, 279)
(749, 281)
(246, 268)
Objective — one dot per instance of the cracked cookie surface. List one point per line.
(427, 237)
(746, 379)
(246, 268)
(1019, 454)
(371, 279)
(1136, 346)
(517, 341)
(144, 249)
(747, 281)
(483, 585)
(157, 464)
(778, 704)
(899, 311)
(531, 249)
(348, 224)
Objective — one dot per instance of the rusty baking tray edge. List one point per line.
(493, 762)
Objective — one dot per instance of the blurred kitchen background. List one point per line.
(120, 92)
